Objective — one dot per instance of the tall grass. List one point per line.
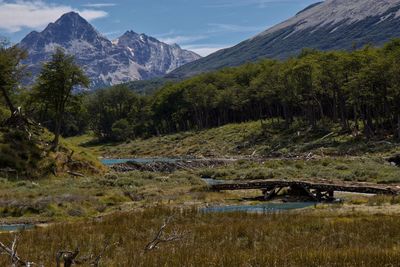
(224, 240)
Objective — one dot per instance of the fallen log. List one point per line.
(76, 174)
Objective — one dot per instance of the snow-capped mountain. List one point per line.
(328, 25)
(131, 57)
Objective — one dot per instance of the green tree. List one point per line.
(55, 86)
(11, 72)
(116, 104)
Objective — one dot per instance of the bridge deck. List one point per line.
(314, 189)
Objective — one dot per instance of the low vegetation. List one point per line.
(306, 239)
(71, 198)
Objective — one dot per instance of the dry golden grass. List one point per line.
(300, 239)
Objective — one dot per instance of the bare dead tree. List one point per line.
(95, 260)
(11, 251)
(161, 238)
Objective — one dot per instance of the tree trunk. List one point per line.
(56, 139)
(286, 116)
(57, 131)
(398, 126)
(334, 106)
(343, 113)
(8, 101)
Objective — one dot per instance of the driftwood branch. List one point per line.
(76, 174)
(11, 251)
(161, 238)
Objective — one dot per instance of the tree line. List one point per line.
(360, 90)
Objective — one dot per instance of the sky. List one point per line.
(203, 26)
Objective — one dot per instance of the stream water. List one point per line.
(15, 227)
(261, 208)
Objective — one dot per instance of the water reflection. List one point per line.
(262, 208)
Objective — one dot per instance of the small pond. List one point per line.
(210, 181)
(15, 227)
(110, 162)
(261, 208)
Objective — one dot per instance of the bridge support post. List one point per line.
(269, 194)
(319, 195)
(331, 195)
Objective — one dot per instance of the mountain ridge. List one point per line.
(131, 57)
(329, 25)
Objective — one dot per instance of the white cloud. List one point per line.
(100, 5)
(205, 49)
(34, 14)
(181, 39)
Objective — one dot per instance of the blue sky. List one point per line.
(203, 26)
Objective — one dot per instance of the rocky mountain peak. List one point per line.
(131, 57)
(72, 26)
(129, 34)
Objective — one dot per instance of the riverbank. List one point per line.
(73, 199)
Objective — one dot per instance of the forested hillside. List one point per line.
(360, 90)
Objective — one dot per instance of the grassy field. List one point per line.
(69, 198)
(298, 239)
(255, 139)
(352, 169)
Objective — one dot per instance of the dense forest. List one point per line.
(360, 90)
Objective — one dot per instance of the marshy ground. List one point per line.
(128, 208)
(308, 238)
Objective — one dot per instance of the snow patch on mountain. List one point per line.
(333, 12)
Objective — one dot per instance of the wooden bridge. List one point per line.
(317, 191)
